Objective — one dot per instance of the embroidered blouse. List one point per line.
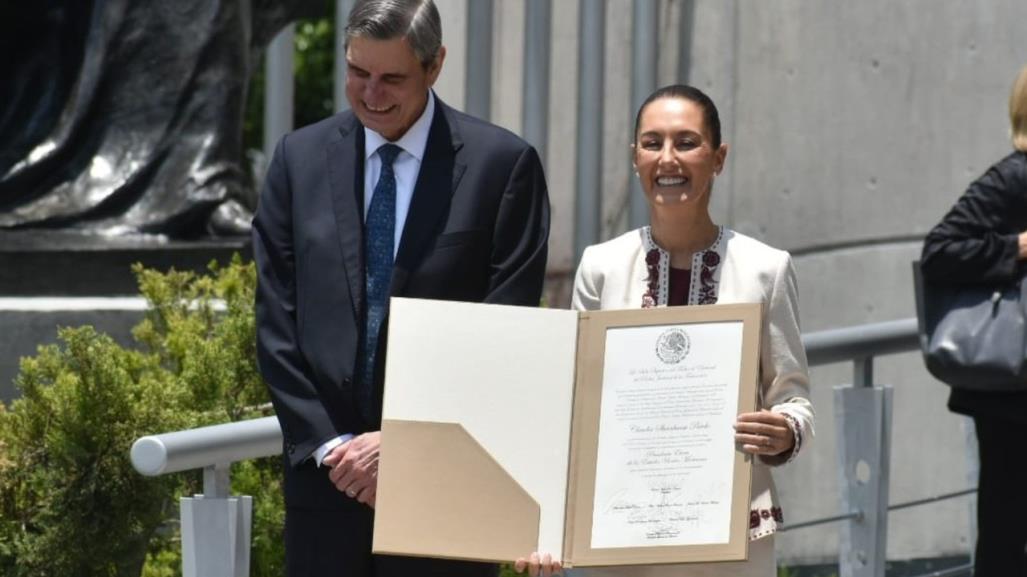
(632, 271)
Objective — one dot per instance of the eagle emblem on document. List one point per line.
(672, 346)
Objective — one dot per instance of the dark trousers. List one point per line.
(1001, 499)
(329, 535)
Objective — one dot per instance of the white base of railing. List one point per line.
(863, 420)
(216, 536)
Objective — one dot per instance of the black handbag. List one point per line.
(973, 336)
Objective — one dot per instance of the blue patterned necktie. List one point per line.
(379, 235)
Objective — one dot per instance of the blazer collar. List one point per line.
(346, 178)
(440, 173)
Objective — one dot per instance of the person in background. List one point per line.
(983, 239)
(400, 196)
(682, 258)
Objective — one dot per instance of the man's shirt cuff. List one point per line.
(323, 450)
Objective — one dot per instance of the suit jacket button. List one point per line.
(291, 448)
(347, 382)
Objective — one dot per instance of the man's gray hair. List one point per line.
(416, 20)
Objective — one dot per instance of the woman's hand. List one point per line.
(1022, 243)
(539, 565)
(764, 433)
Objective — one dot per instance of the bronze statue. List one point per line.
(125, 116)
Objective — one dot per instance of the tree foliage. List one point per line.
(70, 501)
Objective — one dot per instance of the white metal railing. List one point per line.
(215, 526)
(207, 446)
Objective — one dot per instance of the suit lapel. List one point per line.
(439, 175)
(346, 177)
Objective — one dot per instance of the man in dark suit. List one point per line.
(399, 196)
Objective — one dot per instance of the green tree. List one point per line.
(70, 501)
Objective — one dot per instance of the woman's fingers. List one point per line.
(549, 567)
(763, 432)
(763, 416)
(533, 561)
(538, 565)
(757, 444)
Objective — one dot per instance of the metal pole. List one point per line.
(592, 15)
(644, 56)
(686, 24)
(278, 89)
(216, 528)
(863, 417)
(216, 481)
(537, 44)
(973, 469)
(342, 8)
(478, 100)
(863, 372)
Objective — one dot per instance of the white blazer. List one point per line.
(735, 269)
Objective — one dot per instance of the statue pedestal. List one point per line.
(60, 263)
(39, 269)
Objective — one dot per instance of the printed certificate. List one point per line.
(603, 438)
(665, 460)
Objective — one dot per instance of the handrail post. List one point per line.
(216, 528)
(216, 481)
(863, 413)
(863, 372)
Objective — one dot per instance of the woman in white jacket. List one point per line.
(683, 258)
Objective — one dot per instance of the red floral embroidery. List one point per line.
(704, 285)
(758, 516)
(706, 276)
(796, 434)
(708, 286)
(652, 262)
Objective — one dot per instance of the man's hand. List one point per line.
(355, 467)
(1022, 242)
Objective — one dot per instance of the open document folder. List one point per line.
(603, 438)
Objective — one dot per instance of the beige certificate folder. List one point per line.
(491, 430)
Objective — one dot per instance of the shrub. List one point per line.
(70, 501)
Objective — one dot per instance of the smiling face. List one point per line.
(386, 85)
(674, 153)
